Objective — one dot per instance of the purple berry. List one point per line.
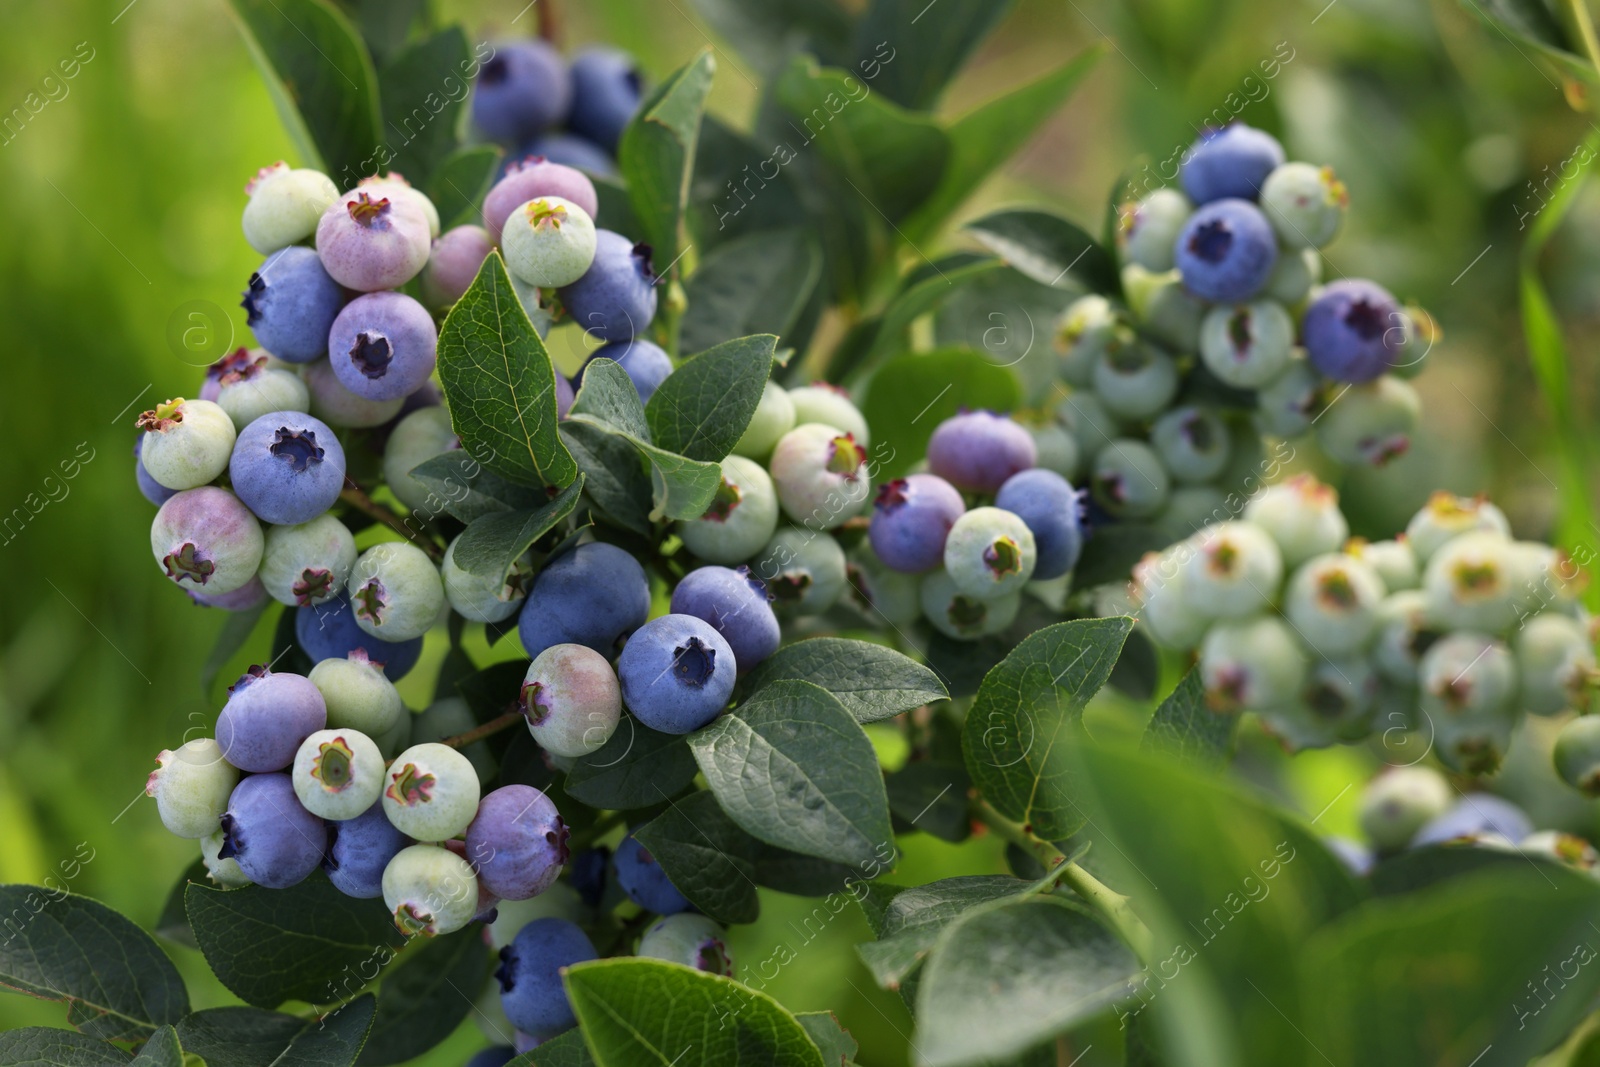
(271, 835)
(646, 364)
(530, 969)
(1232, 161)
(383, 346)
(606, 88)
(616, 297)
(517, 842)
(267, 716)
(1353, 330)
(976, 451)
(329, 631)
(523, 89)
(677, 673)
(287, 467)
(290, 304)
(564, 396)
(737, 605)
(205, 539)
(642, 878)
(249, 595)
(593, 595)
(911, 518)
(572, 151)
(532, 178)
(571, 699)
(359, 849)
(153, 490)
(337, 406)
(1053, 511)
(370, 241)
(1226, 251)
(457, 256)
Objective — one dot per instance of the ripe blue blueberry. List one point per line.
(606, 89)
(1353, 331)
(329, 631)
(642, 878)
(1399, 802)
(383, 346)
(820, 475)
(774, 417)
(742, 517)
(206, 540)
(1135, 381)
(517, 842)
(962, 617)
(990, 553)
(275, 840)
(369, 241)
(1149, 229)
(595, 595)
(151, 489)
(359, 849)
(1192, 442)
(1232, 570)
(911, 518)
(692, 940)
(1247, 345)
(1302, 515)
(396, 591)
(291, 303)
(430, 891)
(338, 774)
(284, 206)
(645, 362)
(453, 263)
(804, 570)
(307, 563)
(532, 178)
(431, 792)
(1305, 203)
(287, 467)
(337, 406)
(521, 90)
(1053, 511)
(677, 673)
(1251, 664)
(186, 442)
(530, 975)
(191, 786)
(737, 605)
(1226, 251)
(1372, 423)
(267, 717)
(1473, 815)
(357, 694)
(548, 242)
(616, 297)
(1233, 161)
(1128, 480)
(976, 451)
(258, 388)
(572, 700)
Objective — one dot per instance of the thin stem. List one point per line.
(488, 729)
(1585, 24)
(550, 21)
(357, 498)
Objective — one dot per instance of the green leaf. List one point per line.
(914, 57)
(1499, 960)
(838, 1047)
(491, 544)
(985, 137)
(703, 408)
(738, 190)
(636, 768)
(47, 1046)
(1530, 23)
(889, 334)
(1138, 669)
(425, 997)
(250, 1037)
(754, 284)
(932, 796)
(460, 486)
(705, 855)
(873, 682)
(615, 210)
(911, 394)
(321, 81)
(424, 91)
(1010, 318)
(656, 155)
(385, 24)
(614, 473)
(500, 384)
(566, 1050)
(174, 922)
(807, 876)
(1418, 868)
(309, 942)
(162, 1050)
(639, 1012)
(1111, 558)
(1048, 249)
(1183, 727)
(114, 978)
(681, 488)
(766, 32)
(236, 629)
(492, 691)
(1005, 978)
(792, 766)
(914, 918)
(459, 183)
(1028, 708)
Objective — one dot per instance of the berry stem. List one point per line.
(488, 729)
(550, 21)
(357, 498)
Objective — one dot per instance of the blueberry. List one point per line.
(396, 591)
(284, 206)
(224, 872)
(1251, 664)
(287, 467)
(484, 597)
(1292, 278)
(962, 617)
(1134, 381)
(1128, 480)
(248, 596)
(267, 717)
(338, 774)
(606, 89)
(206, 540)
(290, 304)
(737, 605)
(1149, 228)
(1226, 251)
(1057, 450)
(517, 842)
(493, 1056)
(430, 891)
(453, 264)
(1357, 859)
(1577, 754)
(1091, 425)
(572, 700)
(1053, 512)
(1233, 161)
(369, 241)
(692, 940)
(646, 363)
(383, 346)
(151, 489)
(564, 396)
(570, 150)
(1468, 684)
(1192, 508)
(1372, 423)
(358, 695)
(976, 451)
(548, 242)
(804, 570)
(275, 840)
(530, 975)
(238, 359)
(415, 439)
(1394, 561)
(742, 517)
(1556, 663)
(774, 417)
(1192, 443)
(1167, 312)
(990, 553)
(589, 869)
(532, 178)
(329, 631)
(616, 298)
(1232, 570)
(337, 406)
(1289, 404)
(449, 717)
(1247, 345)
(1470, 584)
(431, 792)
(820, 475)
(595, 595)
(1402, 633)
(359, 849)
(1165, 608)
(395, 187)
(1302, 515)
(1335, 704)
(191, 786)
(642, 878)
(677, 673)
(831, 406)
(1305, 204)
(1354, 331)
(186, 443)
(1473, 814)
(1399, 802)
(521, 90)
(1557, 846)
(911, 518)
(1446, 516)
(308, 563)
(1086, 331)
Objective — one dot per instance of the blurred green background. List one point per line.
(119, 204)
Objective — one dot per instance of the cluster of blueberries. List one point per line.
(1226, 327)
(1452, 629)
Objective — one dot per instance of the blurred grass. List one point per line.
(119, 202)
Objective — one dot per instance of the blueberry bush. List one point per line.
(803, 560)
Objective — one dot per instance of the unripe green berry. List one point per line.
(1577, 755)
(774, 417)
(1193, 443)
(1399, 802)
(307, 564)
(1556, 664)
(1370, 423)
(1248, 345)
(1084, 332)
(1302, 515)
(548, 242)
(395, 591)
(989, 553)
(1252, 664)
(1129, 481)
(1470, 585)
(1446, 516)
(1232, 570)
(285, 205)
(1148, 230)
(191, 786)
(1332, 601)
(485, 597)
(1394, 561)
(415, 439)
(1305, 204)
(431, 792)
(830, 406)
(741, 519)
(449, 717)
(358, 694)
(338, 774)
(692, 940)
(225, 872)
(1135, 381)
(430, 891)
(804, 571)
(187, 443)
(962, 617)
